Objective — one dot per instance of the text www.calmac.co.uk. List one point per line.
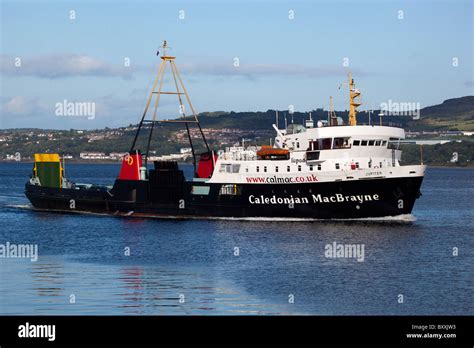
(282, 180)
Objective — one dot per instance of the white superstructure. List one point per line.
(319, 154)
(331, 151)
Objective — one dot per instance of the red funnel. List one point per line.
(131, 164)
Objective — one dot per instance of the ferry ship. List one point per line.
(327, 170)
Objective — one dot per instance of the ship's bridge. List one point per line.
(338, 137)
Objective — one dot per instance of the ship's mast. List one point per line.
(332, 115)
(180, 91)
(353, 103)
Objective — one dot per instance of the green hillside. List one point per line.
(452, 114)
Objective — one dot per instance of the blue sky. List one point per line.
(283, 61)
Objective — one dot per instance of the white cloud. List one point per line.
(258, 70)
(67, 65)
(60, 65)
(110, 110)
(20, 105)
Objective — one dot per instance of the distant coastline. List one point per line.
(444, 129)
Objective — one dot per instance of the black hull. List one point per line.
(332, 200)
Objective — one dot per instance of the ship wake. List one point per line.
(402, 219)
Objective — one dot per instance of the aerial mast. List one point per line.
(332, 115)
(353, 103)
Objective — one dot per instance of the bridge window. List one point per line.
(326, 143)
(394, 143)
(377, 143)
(363, 143)
(356, 142)
(371, 142)
(321, 144)
(341, 143)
